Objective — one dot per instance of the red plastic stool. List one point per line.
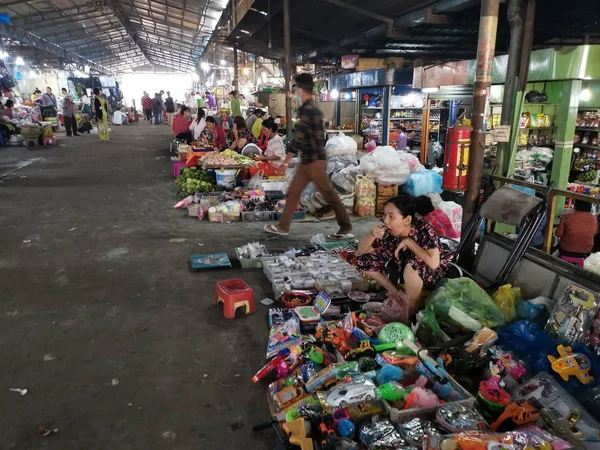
(177, 166)
(234, 293)
(570, 259)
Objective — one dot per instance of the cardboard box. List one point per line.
(395, 62)
(384, 193)
(370, 63)
(349, 61)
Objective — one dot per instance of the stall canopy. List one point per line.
(111, 36)
(430, 30)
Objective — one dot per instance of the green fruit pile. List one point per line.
(192, 180)
(586, 177)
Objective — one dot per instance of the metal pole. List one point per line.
(514, 56)
(486, 46)
(287, 50)
(235, 68)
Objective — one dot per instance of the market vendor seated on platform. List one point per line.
(272, 160)
(181, 125)
(407, 243)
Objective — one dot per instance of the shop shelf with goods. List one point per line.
(406, 111)
(586, 143)
(371, 111)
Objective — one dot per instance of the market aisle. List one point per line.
(118, 344)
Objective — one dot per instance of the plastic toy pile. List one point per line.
(346, 374)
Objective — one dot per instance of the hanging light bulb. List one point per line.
(204, 66)
(19, 61)
(195, 77)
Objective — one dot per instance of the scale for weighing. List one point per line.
(209, 261)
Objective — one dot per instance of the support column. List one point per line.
(514, 55)
(235, 68)
(565, 131)
(509, 161)
(287, 50)
(486, 46)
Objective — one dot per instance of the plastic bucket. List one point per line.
(226, 178)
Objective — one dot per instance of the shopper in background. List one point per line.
(218, 135)
(157, 109)
(577, 231)
(234, 104)
(181, 125)
(48, 98)
(210, 99)
(8, 108)
(225, 120)
(199, 100)
(402, 140)
(170, 107)
(69, 117)
(251, 119)
(36, 95)
(85, 104)
(257, 127)
(147, 106)
(309, 142)
(241, 135)
(100, 107)
(198, 124)
(272, 159)
(64, 94)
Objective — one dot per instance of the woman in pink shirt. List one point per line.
(181, 126)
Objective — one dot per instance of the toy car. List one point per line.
(350, 393)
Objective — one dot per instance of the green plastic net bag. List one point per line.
(461, 303)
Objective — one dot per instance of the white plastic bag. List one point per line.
(340, 162)
(335, 144)
(345, 179)
(368, 164)
(386, 157)
(592, 263)
(389, 176)
(412, 161)
(256, 181)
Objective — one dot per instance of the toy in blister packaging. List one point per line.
(481, 341)
(285, 361)
(559, 410)
(457, 418)
(503, 364)
(392, 392)
(296, 431)
(310, 316)
(346, 394)
(591, 337)
(493, 391)
(320, 357)
(571, 364)
(332, 374)
(434, 371)
(515, 414)
(380, 434)
(572, 315)
(412, 431)
(395, 358)
(282, 336)
(277, 316)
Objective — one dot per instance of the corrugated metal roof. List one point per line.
(120, 35)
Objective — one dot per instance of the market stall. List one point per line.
(343, 371)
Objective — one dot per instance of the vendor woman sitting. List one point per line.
(407, 241)
(271, 162)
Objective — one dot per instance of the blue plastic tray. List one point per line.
(209, 261)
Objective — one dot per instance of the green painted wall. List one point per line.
(549, 64)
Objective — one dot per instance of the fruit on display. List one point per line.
(192, 180)
(240, 159)
(586, 177)
(225, 159)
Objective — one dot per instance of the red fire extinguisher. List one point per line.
(456, 158)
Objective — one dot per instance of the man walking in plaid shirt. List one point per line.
(309, 141)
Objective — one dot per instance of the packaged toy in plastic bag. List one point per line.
(423, 182)
(506, 297)
(462, 303)
(528, 342)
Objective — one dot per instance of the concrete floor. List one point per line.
(117, 343)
